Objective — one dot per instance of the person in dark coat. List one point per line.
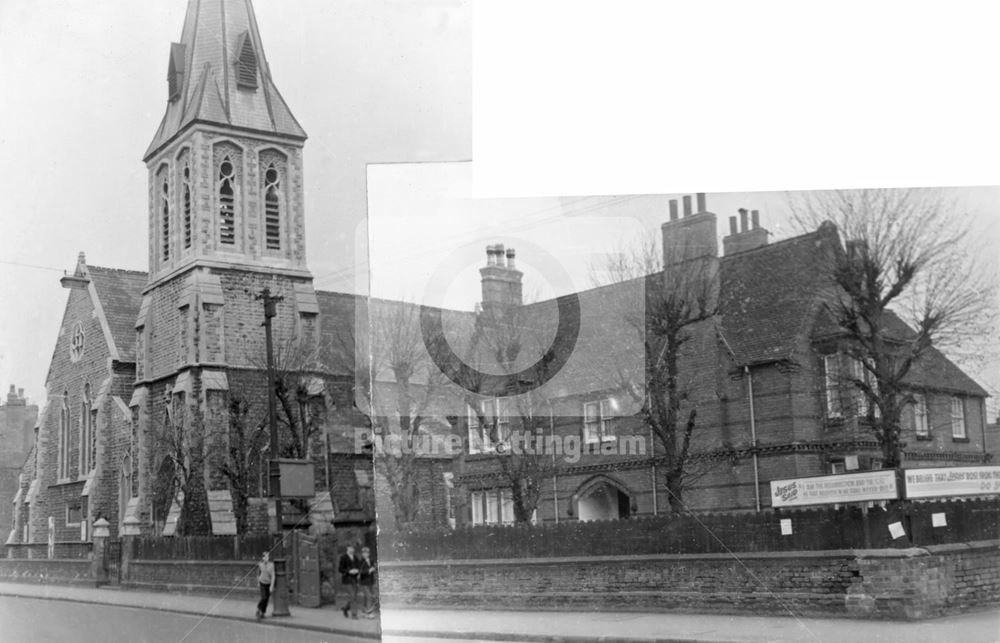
(349, 567)
(366, 583)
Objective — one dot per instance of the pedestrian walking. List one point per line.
(366, 582)
(265, 577)
(349, 568)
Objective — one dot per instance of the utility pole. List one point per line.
(281, 578)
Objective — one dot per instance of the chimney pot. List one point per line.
(491, 258)
(732, 225)
(673, 209)
(700, 196)
(755, 219)
(500, 259)
(687, 205)
(510, 258)
(743, 219)
(20, 392)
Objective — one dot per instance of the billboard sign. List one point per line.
(952, 481)
(298, 478)
(835, 489)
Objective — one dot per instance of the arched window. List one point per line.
(272, 207)
(87, 433)
(185, 197)
(63, 454)
(164, 209)
(228, 164)
(273, 166)
(227, 205)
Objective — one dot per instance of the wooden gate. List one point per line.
(113, 561)
(307, 570)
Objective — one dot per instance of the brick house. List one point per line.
(761, 373)
(148, 363)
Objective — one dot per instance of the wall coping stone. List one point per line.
(559, 560)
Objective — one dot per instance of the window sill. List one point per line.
(957, 439)
(925, 438)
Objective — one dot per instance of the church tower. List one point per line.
(226, 221)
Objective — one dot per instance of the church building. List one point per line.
(156, 393)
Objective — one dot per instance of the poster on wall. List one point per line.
(952, 481)
(834, 489)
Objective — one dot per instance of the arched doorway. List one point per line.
(603, 498)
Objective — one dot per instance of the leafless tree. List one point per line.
(241, 466)
(401, 398)
(907, 282)
(180, 477)
(679, 299)
(513, 425)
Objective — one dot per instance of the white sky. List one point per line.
(576, 98)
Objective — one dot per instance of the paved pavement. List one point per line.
(399, 625)
(326, 619)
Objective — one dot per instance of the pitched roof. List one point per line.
(120, 295)
(769, 295)
(207, 63)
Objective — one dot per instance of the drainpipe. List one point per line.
(552, 447)
(753, 439)
(652, 453)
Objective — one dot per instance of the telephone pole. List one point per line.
(281, 579)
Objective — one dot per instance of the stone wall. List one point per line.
(49, 572)
(909, 584)
(218, 576)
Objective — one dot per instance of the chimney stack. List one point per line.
(673, 209)
(749, 236)
(691, 245)
(501, 280)
(700, 197)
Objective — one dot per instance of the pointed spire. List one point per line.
(218, 74)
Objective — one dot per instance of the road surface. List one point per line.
(29, 620)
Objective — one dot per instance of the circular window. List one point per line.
(76, 342)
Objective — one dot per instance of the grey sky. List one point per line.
(371, 81)
(84, 88)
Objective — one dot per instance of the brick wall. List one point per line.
(925, 583)
(807, 583)
(910, 584)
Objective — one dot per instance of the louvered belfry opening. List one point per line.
(272, 208)
(246, 63)
(227, 210)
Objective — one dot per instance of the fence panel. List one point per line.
(821, 528)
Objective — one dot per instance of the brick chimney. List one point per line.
(501, 280)
(690, 244)
(748, 236)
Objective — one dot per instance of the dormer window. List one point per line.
(246, 63)
(175, 72)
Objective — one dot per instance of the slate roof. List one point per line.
(769, 296)
(120, 294)
(208, 93)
